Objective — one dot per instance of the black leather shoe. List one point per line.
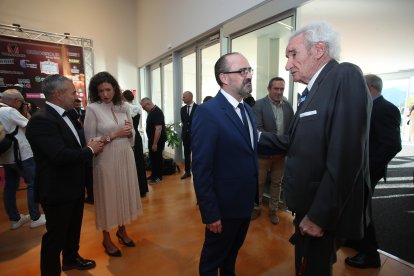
(116, 253)
(185, 175)
(362, 260)
(79, 264)
(122, 241)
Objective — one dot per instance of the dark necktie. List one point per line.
(188, 110)
(244, 118)
(303, 96)
(65, 113)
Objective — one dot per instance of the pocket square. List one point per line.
(308, 113)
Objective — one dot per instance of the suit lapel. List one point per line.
(314, 90)
(64, 126)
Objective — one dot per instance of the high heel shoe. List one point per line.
(122, 241)
(116, 253)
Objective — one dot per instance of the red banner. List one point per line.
(26, 63)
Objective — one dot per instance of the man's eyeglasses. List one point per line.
(241, 71)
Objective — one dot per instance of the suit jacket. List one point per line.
(224, 162)
(384, 137)
(327, 167)
(186, 121)
(266, 121)
(60, 160)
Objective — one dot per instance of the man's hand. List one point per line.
(97, 146)
(215, 227)
(154, 147)
(307, 227)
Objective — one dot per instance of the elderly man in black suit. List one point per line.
(187, 112)
(327, 172)
(61, 155)
(384, 144)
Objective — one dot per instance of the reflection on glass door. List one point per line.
(156, 86)
(209, 56)
(189, 74)
(167, 93)
(399, 90)
(264, 48)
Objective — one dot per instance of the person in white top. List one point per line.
(22, 165)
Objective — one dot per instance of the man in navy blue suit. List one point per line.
(224, 146)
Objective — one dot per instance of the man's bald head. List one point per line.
(12, 97)
(12, 94)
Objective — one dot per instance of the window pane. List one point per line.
(265, 51)
(168, 101)
(156, 86)
(209, 56)
(142, 86)
(189, 74)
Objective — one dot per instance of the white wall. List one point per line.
(163, 23)
(110, 24)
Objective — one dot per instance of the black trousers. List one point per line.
(369, 245)
(187, 153)
(63, 225)
(89, 181)
(220, 251)
(156, 161)
(314, 256)
(140, 164)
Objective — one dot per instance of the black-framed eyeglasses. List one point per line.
(241, 71)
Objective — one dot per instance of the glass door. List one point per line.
(264, 48)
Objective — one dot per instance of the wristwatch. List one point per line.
(108, 139)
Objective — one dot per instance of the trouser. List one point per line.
(368, 244)
(275, 164)
(12, 180)
(187, 154)
(63, 226)
(220, 251)
(156, 162)
(314, 256)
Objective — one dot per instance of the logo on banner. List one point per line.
(72, 54)
(13, 49)
(74, 70)
(39, 79)
(24, 63)
(49, 67)
(6, 60)
(72, 60)
(24, 82)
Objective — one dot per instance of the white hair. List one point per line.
(321, 32)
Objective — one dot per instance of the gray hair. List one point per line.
(321, 32)
(53, 83)
(374, 81)
(146, 100)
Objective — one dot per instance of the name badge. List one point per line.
(308, 113)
